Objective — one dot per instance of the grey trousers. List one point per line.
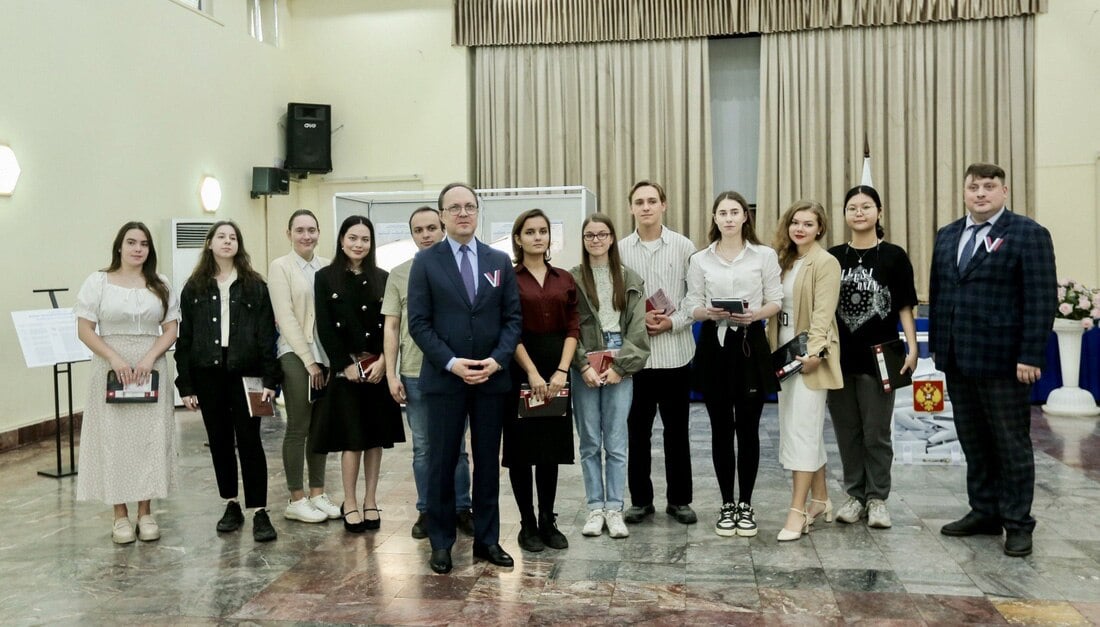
(299, 416)
(862, 415)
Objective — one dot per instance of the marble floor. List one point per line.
(58, 565)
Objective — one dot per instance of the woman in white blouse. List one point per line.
(128, 450)
(290, 282)
(733, 284)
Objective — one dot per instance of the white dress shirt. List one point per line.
(753, 276)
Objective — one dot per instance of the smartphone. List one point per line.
(732, 305)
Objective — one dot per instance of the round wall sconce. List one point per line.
(211, 194)
(9, 171)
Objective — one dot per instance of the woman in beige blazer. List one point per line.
(811, 288)
(290, 282)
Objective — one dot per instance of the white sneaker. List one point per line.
(304, 511)
(851, 511)
(593, 525)
(616, 528)
(148, 530)
(122, 532)
(322, 502)
(878, 517)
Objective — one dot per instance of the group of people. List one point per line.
(466, 337)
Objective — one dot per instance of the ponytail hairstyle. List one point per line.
(871, 193)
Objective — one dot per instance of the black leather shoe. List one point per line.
(682, 513)
(232, 519)
(466, 522)
(549, 533)
(1017, 543)
(529, 539)
(637, 513)
(420, 527)
(492, 554)
(440, 561)
(973, 524)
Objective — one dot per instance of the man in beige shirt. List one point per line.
(427, 230)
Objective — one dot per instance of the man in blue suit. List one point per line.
(993, 296)
(464, 313)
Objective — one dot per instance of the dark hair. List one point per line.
(153, 282)
(748, 231)
(645, 183)
(207, 268)
(783, 245)
(299, 213)
(614, 264)
(341, 260)
(424, 209)
(871, 193)
(451, 186)
(517, 228)
(985, 171)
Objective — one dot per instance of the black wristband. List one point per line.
(565, 372)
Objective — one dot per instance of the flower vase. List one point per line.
(1070, 399)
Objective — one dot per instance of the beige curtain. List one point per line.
(525, 22)
(602, 116)
(930, 99)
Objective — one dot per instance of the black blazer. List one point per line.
(251, 333)
(349, 313)
(1000, 310)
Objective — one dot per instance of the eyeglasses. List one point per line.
(853, 209)
(454, 210)
(591, 237)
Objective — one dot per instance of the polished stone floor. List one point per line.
(58, 565)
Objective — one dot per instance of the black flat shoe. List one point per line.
(1017, 543)
(371, 524)
(493, 554)
(549, 533)
(529, 539)
(420, 527)
(440, 561)
(262, 529)
(973, 524)
(351, 527)
(232, 519)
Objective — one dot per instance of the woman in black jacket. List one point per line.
(360, 417)
(227, 332)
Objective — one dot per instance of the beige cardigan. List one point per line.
(292, 300)
(816, 293)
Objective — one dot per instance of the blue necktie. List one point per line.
(466, 269)
(968, 248)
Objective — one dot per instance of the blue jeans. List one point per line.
(600, 415)
(417, 412)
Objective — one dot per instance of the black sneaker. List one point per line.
(727, 520)
(549, 533)
(529, 539)
(420, 527)
(232, 519)
(682, 513)
(466, 522)
(746, 524)
(262, 531)
(636, 514)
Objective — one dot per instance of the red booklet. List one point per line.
(364, 362)
(660, 301)
(601, 360)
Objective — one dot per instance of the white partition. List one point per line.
(389, 211)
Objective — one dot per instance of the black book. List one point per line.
(889, 358)
(783, 359)
(147, 392)
(546, 408)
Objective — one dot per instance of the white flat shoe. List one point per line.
(148, 530)
(122, 532)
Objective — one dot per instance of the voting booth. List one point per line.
(566, 207)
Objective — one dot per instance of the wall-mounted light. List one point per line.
(9, 171)
(211, 193)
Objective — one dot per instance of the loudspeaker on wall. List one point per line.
(308, 138)
(268, 181)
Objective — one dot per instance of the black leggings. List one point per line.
(546, 481)
(727, 420)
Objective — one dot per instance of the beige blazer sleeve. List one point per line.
(816, 294)
(292, 301)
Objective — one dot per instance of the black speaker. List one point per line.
(308, 138)
(268, 181)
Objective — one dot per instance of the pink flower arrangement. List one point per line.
(1078, 302)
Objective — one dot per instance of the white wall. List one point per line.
(1067, 132)
(116, 110)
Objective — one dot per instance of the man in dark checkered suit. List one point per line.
(993, 298)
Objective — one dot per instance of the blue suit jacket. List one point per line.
(998, 312)
(445, 324)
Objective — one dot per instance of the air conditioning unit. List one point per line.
(188, 237)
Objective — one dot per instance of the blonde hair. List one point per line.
(788, 251)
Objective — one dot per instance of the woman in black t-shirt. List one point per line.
(876, 292)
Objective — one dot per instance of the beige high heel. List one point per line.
(786, 535)
(827, 512)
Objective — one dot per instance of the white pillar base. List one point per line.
(1071, 401)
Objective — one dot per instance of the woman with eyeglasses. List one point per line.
(876, 293)
(128, 317)
(733, 285)
(611, 309)
(811, 286)
(548, 298)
